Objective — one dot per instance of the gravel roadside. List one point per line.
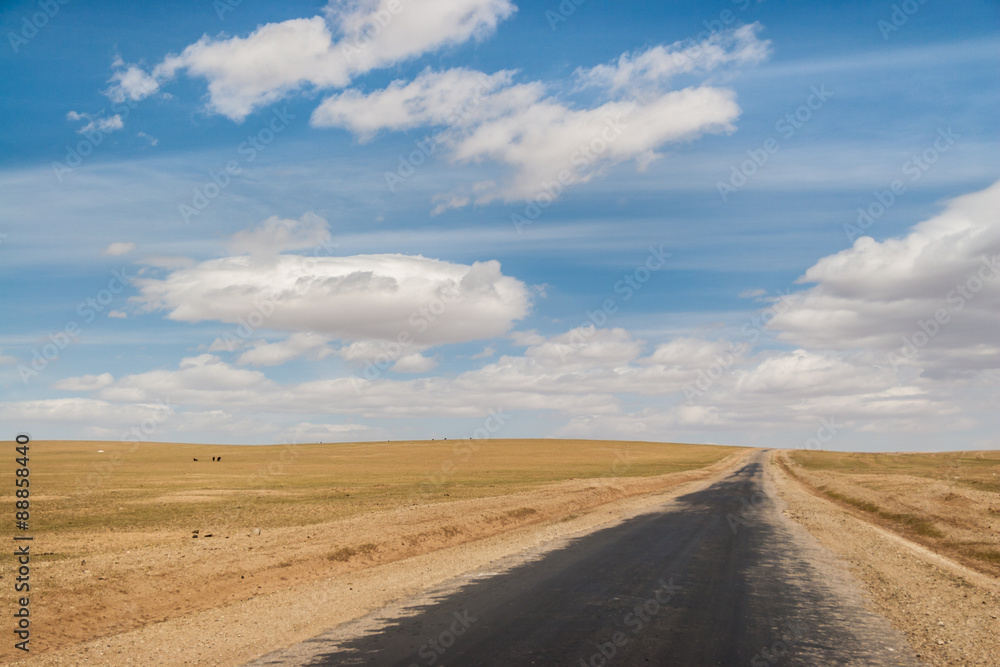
(948, 612)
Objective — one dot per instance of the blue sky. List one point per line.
(261, 201)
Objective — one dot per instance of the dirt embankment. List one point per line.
(225, 599)
(948, 611)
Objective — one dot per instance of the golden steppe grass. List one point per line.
(949, 501)
(156, 487)
(139, 534)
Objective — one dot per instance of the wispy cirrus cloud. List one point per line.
(104, 124)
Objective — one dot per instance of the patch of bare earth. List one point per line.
(223, 599)
(948, 611)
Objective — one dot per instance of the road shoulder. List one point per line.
(948, 613)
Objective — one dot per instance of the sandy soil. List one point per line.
(225, 599)
(949, 612)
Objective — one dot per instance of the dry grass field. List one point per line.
(139, 534)
(161, 488)
(948, 501)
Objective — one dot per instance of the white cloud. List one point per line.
(799, 374)
(244, 73)
(103, 125)
(689, 352)
(204, 380)
(109, 124)
(82, 411)
(276, 235)
(526, 338)
(586, 347)
(451, 97)
(549, 144)
(354, 299)
(207, 382)
(274, 354)
(651, 69)
(445, 202)
(130, 83)
(596, 382)
(229, 343)
(414, 363)
(370, 350)
(118, 248)
(163, 262)
(596, 363)
(938, 286)
(85, 382)
(487, 353)
(117, 314)
(247, 72)
(582, 374)
(373, 35)
(126, 421)
(786, 393)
